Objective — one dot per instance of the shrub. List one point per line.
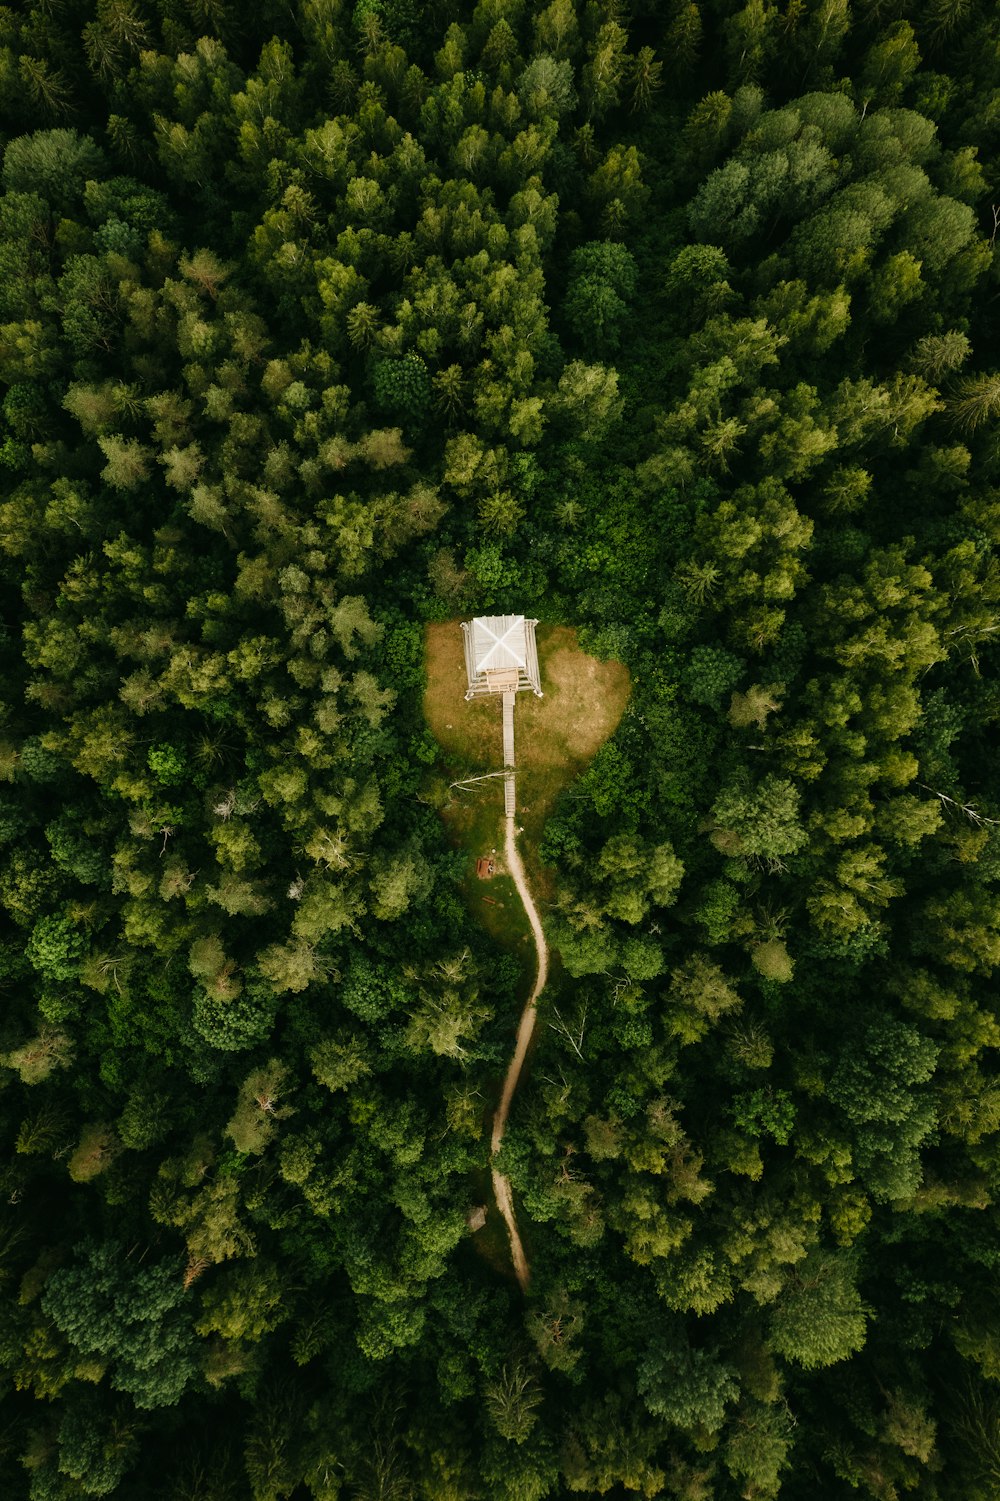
(710, 674)
(402, 388)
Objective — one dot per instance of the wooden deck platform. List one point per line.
(508, 754)
(508, 729)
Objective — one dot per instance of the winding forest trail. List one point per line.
(562, 730)
(525, 1031)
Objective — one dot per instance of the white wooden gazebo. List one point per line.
(501, 655)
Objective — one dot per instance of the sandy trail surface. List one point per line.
(526, 1027)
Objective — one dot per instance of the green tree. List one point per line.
(634, 875)
(758, 1446)
(56, 948)
(36, 1059)
(402, 388)
(129, 1315)
(257, 1109)
(54, 163)
(760, 822)
(760, 1111)
(546, 87)
(689, 1387)
(976, 400)
(95, 1447)
(587, 398)
(603, 280)
(511, 1401)
(711, 672)
(819, 1318)
(698, 996)
(246, 1302)
(877, 1084)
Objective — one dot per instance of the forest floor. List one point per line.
(556, 737)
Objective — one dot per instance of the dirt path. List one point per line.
(526, 1027)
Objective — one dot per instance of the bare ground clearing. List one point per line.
(584, 700)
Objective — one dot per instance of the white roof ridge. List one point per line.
(499, 642)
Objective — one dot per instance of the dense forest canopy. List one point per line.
(672, 320)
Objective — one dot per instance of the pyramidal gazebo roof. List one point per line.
(498, 642)
(500, 654)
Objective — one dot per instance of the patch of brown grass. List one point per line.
(468, 733)
(555, 739)
(583, 701)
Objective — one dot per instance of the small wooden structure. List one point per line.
(500, 655)
(484, 867)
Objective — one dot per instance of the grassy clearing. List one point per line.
(555, 737)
